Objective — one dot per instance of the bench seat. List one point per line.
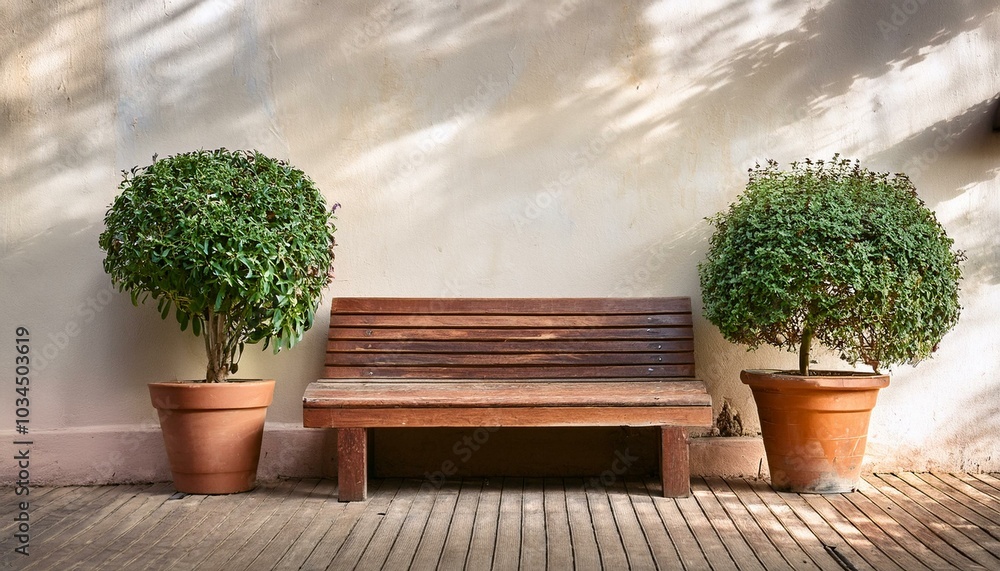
(396, 362)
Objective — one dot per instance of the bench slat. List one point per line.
(540, 321)
(517, 334)
(511, 306)
(681, 416)
(555, 372)
(457, 359)
(473, 393)
(514, 346)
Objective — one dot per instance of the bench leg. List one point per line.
(675, 465)
(352, 464)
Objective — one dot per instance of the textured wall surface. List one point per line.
(491, 149)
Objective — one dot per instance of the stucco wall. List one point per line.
(491, 149)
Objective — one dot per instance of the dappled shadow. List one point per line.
(514, 148)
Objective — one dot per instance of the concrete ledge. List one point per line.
(729, 456)
(124, 454)
(135, 453)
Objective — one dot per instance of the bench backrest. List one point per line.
(502, 338)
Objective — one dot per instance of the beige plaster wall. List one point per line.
(489, 149)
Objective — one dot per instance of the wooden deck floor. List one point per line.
(896, 521)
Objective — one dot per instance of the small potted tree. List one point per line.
(239, 248)
(830, 253)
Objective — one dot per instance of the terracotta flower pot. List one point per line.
(814, 428)
(212, 432)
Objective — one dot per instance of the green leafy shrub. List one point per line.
(237, 244)
(832, 252)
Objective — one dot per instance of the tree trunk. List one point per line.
(807, 335)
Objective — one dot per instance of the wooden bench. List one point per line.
(424, 362)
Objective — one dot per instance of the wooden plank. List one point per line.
(609, 540)
(803, 537)
(530, 372)
(709, 541)
(968, 496)
(968, 541)
(352, 464)
(532, 525)
(938, 497)
(153, 509)
(771, 526)
(914, 537)
(89, 525)
(533, 540)
(484, 530)
(54, 515)
(342, 305)
(659, 543)
(871, 554)
(681, 534)
(294, 524)
(438, 522)
(387, 394)
(197, 542)
(847, 551)
(898, 552)
(377, 550)
(763, 550)
(254, 553)
(354, 539)
(415, 525)
(498, 336)
(728, 533)
(451, 322)
(586, 554)
(456, 546)
(320, 541)
(234, 544)
(558, 541)
(506, 555)
(987, 479)
(41, 502)
(299, 536)
(633, 537)
(513, 361)
(511, 416)
(158, 540)
(337, 349)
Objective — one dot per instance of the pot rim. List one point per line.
(185, 395)
(829, 380)
(202, 383)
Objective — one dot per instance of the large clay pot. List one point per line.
(814, 428)
(213, 432)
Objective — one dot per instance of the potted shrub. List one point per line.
(831, 253)
(238, 247)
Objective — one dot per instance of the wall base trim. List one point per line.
(135, 453)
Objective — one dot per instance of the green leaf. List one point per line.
(220, 231)
(854, 254)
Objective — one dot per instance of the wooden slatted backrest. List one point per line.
(452, 338)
